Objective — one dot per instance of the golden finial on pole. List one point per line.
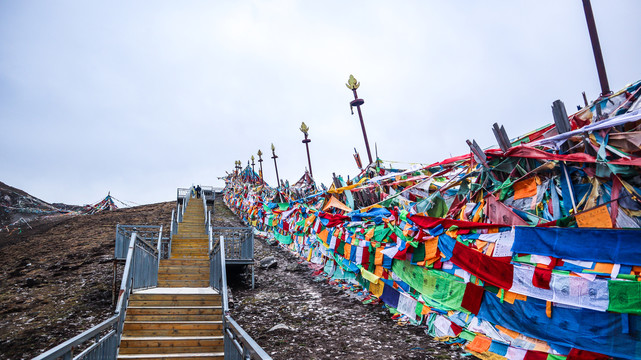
(304, 128)
(260, 161)
(352, 84)
(274, 156)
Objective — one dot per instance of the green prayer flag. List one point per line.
(419, 253)
(283, 239)
(625, 297)
(381, 233)
(467, 335)
(438, 286)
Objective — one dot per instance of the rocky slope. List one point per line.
(56, 277)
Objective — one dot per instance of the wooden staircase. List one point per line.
(182, 317)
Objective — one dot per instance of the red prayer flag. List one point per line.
(472, 298)
(541, 278)
(491, 270)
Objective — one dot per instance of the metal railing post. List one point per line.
(171, 224)
(159, 247)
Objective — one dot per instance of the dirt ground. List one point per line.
(56, 279)
(296, 313)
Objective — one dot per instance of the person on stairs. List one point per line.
(198, 189)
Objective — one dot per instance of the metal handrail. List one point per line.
(159, 246)
(140, 256)
(209, 232)
(65, 350)
(244, 344)
(123, 234)
(173, 226)
(223, 274)
(202, 195)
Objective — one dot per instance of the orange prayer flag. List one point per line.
(431, 248)
(479, 344)
(426, 310)
(480, 244)
(525, 188)
(348, 251)
(510, 297)
(378, 258)
(323, 235)
(378, 271)
(335, 203)
(511, 333)
(370, 234)
(603, 268)
(599, 217)
(490, 249)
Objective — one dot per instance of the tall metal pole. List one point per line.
(260, 161)
(596, 48)
(352, 84)
(305, 129)
(253, 171)
(274, 156)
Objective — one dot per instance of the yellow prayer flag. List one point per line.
(369, 276)
(377, 288)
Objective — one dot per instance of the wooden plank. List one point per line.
(135, 346)
(183, 283)
(186, 356)
(175, 310)
(178, 317)
(156, 296)
(183, 276)
(180, 262)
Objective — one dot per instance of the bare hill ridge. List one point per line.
(16, 204)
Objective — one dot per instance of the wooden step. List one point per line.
(188, 236)
(187, 257)
(170, 344)
(183, 276)
(182, 262)
(185, 356)
(172, 317)
(190, 243)
(187, 248)
(183, 283)
(189, 252)
(174, 310)
(139, 300)
(184, 269)
(173, 328)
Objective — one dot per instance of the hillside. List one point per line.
(18, 207)
(55, 277)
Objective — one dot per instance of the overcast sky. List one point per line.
(139, 98)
